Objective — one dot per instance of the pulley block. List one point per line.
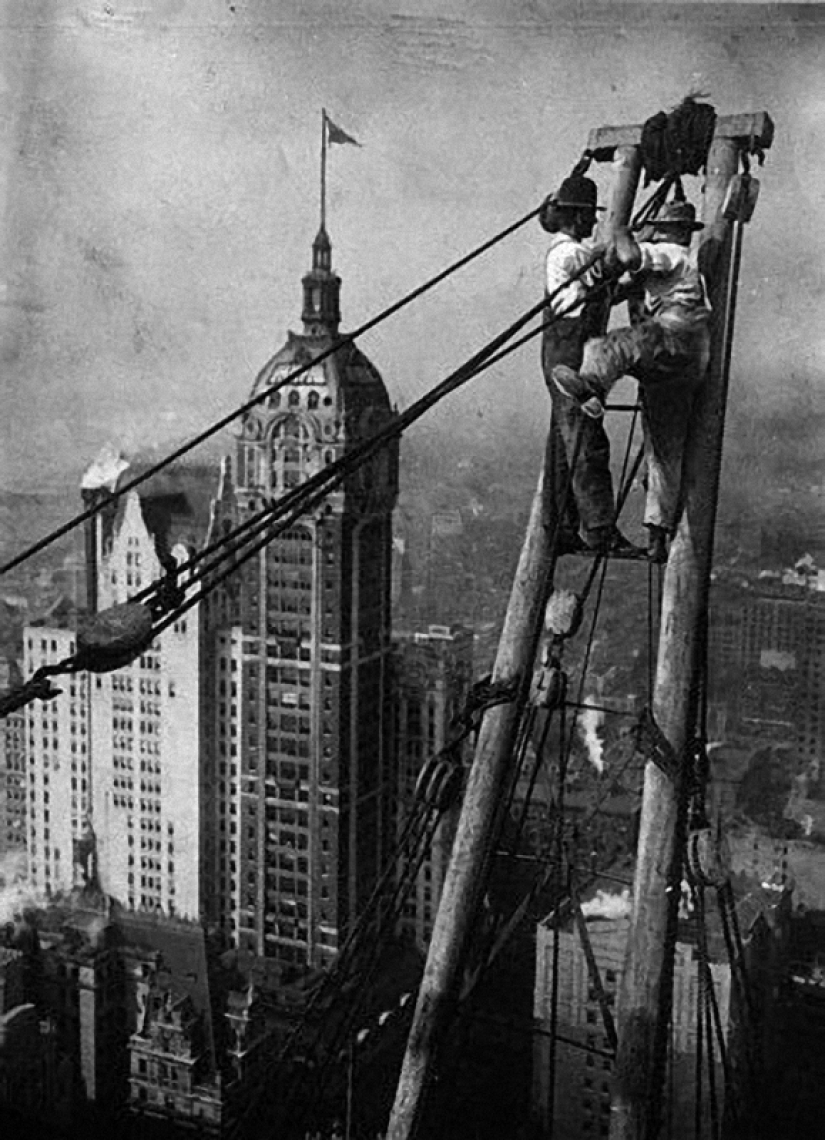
(708, 858)
(445, 786)
(564, 613)
(114, 637)
(549, 688)
(740, 198)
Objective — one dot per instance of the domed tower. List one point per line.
(301, 645)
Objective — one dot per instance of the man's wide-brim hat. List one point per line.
(577, 193)
(677, 215)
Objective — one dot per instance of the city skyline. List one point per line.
(244, 835)
(184, 268)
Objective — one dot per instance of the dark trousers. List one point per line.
(582, 501)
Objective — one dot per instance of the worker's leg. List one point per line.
(667, 410)
(589, 492)
(669, 393)
(575, 443)
(560, 511)
(620, 353)
(606, 359)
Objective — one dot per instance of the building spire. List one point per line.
(322, 312)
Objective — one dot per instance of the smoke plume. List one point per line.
(16, 894)
(589, 724)
(607, 905)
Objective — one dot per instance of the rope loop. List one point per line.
(654, 745)
(484, 694)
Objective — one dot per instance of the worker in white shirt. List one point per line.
(667, 351)
(584, 504)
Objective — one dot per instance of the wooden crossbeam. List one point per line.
(753, 129)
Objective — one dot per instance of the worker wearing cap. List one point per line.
(585, 507)
(667, 350)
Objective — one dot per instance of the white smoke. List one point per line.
(607, 905)
(16, 894)
(590, 721)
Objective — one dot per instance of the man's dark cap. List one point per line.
(576, 192)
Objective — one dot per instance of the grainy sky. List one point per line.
(159, 187)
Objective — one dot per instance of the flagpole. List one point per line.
(323, 167)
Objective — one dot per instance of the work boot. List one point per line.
(657, 544)
(610, 540)
(588, 395)
(568, 542)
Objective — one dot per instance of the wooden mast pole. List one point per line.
(487, 781)
(642, 1013)
(466, 873)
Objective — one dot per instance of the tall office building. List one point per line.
(297, 671)
(115, 782)
(433, 673)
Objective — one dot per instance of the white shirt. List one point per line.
(565, 256)
(672, 279)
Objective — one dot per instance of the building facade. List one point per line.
(114, 762)
(433, 674)
(12, 781)
(767, 654)
(59, 764)
(578, 1103)
(298, 655)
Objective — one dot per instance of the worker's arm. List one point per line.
(622, 251)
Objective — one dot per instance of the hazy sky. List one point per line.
(159, 184)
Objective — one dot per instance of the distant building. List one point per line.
(12, 781)
(297, 673)
(80, 988)
(104, 1009)
(767, 655)
(197, 1042)
(25, 1084)
(115, 786)
(58, 758)
(584, 1061)
(433, 673)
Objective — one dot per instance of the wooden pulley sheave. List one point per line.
(113, 638)
(549, 687)
(438, 783)
(707, 857)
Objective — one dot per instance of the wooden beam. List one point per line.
(754, 129)
(644, 994)
(475, 835)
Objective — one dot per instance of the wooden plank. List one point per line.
(755, 125)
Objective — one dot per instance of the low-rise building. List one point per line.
(574, 1092)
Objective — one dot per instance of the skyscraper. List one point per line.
(115, 783)
(433, 676)
(297, 671)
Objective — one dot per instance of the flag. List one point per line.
(336, 135)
